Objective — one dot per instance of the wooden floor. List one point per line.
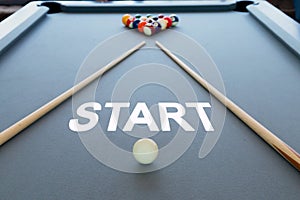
(286, 6)
(5, 11)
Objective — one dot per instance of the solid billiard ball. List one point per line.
(145, 151)
(174, 19)
(141, 26)
(169, 21)
(149, 16)
(149, 29)
(125, 18)
(135, 23)
(162, 23)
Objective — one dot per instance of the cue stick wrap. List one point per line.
(32, 117)
(281, 147)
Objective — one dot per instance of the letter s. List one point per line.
(93, 118)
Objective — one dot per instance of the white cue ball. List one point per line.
(145, 151)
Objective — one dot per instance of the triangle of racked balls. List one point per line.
(150, 24)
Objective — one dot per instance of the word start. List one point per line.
(140, 115)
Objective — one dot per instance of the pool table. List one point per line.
(249, 50)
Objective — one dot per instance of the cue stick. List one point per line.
(32, 117)
(281, 147)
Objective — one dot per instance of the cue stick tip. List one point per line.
(158, 44)
(142, 44)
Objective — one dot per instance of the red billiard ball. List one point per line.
(169, 21)
(129, 22)
(141, 26)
